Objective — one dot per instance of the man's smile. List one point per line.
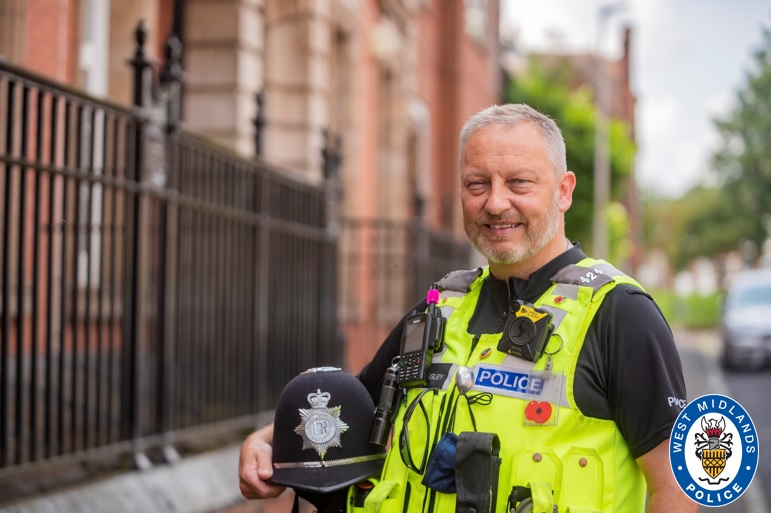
(500, 229)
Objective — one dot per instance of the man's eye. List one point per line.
(475, 186)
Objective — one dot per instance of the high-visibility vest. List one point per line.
(578, 463)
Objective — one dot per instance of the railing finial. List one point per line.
(171, 78)
(259, 122)
(331, 153)
(140, 36)
(141, 64)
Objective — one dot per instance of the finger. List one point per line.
(260, 490)
(255, 468)
(247, 491)
(264, 473)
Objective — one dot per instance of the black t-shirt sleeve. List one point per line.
(372, 374)
(642, 370)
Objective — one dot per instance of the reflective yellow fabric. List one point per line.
(584, 461)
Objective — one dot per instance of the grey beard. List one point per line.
(534, 243)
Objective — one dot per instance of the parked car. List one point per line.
(746, 321)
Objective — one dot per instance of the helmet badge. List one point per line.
(320, 426)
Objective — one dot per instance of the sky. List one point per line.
(688, 58)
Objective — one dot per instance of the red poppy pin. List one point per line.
(538, 411)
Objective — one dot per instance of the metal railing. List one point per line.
(399, 259)
(155, 287)
(150, 282)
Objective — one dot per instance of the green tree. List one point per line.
(711, 222)
(706, 222)
(743, 160)
(548, 89)
(618, 228)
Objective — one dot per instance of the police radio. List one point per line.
(526, 332)
(422, 335)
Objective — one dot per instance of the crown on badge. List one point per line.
(319, 399)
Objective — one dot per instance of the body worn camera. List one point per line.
(422, 335)
(526, 332)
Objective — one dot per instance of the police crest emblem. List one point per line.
(713, 448)
(320, 427)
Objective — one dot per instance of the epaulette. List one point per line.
(595, 277)
(459, 281)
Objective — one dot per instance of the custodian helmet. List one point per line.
(321, 432)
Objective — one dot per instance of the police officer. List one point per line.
(581, 422)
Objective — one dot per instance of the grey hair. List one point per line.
(512, 114)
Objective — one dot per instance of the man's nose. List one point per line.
(498, 201)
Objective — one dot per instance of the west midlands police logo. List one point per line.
(713, 450)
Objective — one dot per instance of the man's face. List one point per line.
(512, 199)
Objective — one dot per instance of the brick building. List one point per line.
(155, 282)
(394, 79)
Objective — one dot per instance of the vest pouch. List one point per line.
(582, 480)
(543, 497)
(358, 493)
(384, 498)
(477, 467)
(582, 510)
(533, 464)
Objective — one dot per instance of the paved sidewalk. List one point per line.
(699, 352)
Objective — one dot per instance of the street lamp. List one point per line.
(601, 138)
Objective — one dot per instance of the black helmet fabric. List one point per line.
(321, 432)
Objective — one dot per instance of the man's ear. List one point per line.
(566, 186)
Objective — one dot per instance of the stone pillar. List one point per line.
(297, 95)
(224, 63)
(392, 43)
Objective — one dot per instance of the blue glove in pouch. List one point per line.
(440, 471)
